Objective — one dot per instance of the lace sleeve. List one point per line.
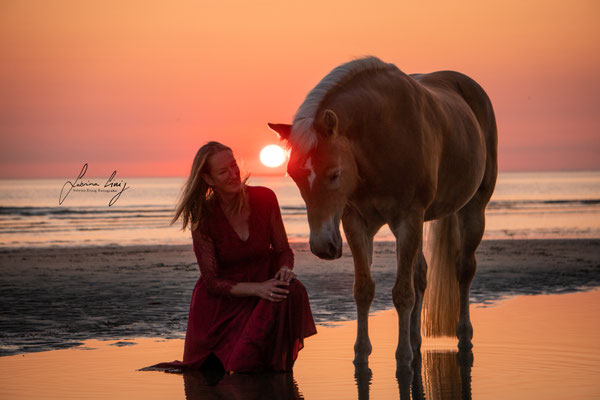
(204, 248)
(279, 240)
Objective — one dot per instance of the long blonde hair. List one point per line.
(196, 192)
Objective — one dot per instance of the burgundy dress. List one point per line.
(244, 333)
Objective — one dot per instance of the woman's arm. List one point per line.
(204, 248)
(268, 290)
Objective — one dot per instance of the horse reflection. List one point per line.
(363, 376)
(211, 384)
(447, 374)
(437, 375)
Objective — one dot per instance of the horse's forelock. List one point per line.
(303, 137)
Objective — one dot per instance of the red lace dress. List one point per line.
(244, 333)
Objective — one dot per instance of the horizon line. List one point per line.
(273, 175)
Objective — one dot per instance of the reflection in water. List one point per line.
(405, 376)
(437, 375)
(363, 376)
(446, 374)
(417, 381)
(214, 384)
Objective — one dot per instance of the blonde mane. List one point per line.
(303, 137)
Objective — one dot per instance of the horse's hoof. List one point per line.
(417, 359)
(464, 332)
(404, 374)
(404, 359)
(363, 371)
(416, 348)
(361, 354)
(465, 358)
(361, 360)
(465, 345)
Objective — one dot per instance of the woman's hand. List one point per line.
(271, 290)
(285, 274)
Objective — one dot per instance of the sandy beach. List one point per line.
(52, 298)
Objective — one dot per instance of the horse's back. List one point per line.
(469, 90)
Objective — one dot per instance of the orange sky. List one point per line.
(138, 86)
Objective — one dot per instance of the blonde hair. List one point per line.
(196, 192)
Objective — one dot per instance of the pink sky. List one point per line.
(139, 86)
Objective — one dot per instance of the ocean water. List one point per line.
(34, 212)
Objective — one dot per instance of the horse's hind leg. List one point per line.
(359, 234)
(471, 224)
(420, 282)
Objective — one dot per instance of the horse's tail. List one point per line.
(441, 298)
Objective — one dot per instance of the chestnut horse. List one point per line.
(371, 145)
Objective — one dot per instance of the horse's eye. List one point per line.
(334, 176)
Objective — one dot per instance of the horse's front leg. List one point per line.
(408, 232)
(359, 234)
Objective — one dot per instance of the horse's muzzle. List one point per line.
(328, 248)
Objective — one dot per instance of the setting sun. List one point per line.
(272, 156)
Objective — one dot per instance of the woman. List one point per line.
(247, 309)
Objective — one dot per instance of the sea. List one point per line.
(138, 211)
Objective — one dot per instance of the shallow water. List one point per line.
(542, 346)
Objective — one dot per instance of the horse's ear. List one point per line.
(330, 122)
(283, 130)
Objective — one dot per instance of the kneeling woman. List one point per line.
(247, 309)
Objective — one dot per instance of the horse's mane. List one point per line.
(303, 137)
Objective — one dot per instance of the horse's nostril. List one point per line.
(332, 250)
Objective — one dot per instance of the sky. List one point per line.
(139, 86)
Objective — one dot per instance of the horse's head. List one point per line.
(326, 174)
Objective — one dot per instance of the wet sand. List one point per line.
(525, 347)
(56, 298)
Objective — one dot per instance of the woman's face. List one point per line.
(224, 175)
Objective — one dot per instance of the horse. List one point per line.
(371, 145)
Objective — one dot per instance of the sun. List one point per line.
(272, 156)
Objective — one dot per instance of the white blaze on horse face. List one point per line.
(312, 175)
